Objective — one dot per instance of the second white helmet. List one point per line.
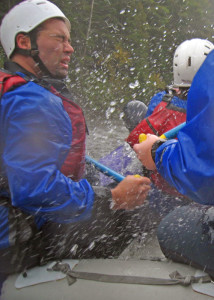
(24, 17)
(187, 59)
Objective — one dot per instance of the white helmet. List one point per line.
(24, 17)
(187, 59)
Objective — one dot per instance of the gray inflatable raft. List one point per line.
(144, 274)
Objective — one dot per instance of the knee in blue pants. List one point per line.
(185, 235)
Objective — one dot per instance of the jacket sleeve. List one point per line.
(156, 99)
(36, 135)
(188, 162)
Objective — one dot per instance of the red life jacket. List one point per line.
(164, 117)
(9, 81)
(74, 163)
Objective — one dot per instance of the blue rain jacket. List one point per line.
(188, 163)
(35, 137)
(157, 98)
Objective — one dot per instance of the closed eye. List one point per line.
(61, 38)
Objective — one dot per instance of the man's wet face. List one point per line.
(54, 47)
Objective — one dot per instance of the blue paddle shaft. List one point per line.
(116, 176)
(109, 172)
(172, 133)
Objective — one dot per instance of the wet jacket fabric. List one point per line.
(166, 112)
(74, 164)
(188, 162)
(35, 140)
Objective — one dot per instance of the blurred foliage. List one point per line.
(126, 51)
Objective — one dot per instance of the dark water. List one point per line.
(105, 136)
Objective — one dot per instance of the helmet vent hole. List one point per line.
(42, 2)
(189, 61)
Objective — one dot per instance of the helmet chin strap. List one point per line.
(40, 64)
(34, 53)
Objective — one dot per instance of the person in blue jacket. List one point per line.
(47, 209)
(186, 234)
(166, 110)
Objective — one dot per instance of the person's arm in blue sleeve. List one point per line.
(156, 99)
(188, 163)
(36, 139)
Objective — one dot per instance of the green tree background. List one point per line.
(124, 48)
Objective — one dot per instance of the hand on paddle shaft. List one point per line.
(133, 189)
(143, 149)
(131, 192)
